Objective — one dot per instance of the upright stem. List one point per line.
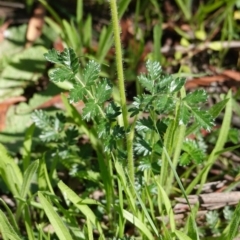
(121, 87)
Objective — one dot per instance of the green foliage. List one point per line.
(51, 126)
(212, 218)
(192, 152)
(102, 146)
(233, 227)
(162, 99)
(153, 138)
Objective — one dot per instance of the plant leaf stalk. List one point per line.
(121, 87)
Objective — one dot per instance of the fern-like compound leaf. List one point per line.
(91, 73)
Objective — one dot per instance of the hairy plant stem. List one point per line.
(121, 87)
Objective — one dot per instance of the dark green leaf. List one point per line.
(67, 58)
(192, 152)
(71, 135)
(203, 118)
(163, 104)
(146, 102)
(154, 70)
(41, 119)
(146, 83)
(90, 110)
(142, 148)
(154, 73)
(198, 96)
(109, 143)
(103, 91)
(112, 111)
(141, 103)
(77, 93)
(144, 164)
(161, 127)
(60, 74)
(185, 159)
(163, 84)
(176, 84)
(61, 117)
(51, 126)
(70, 60)
(157, 148)
(184, 115)
(47, 136)
(103, 129)
(145, 124)
(91, 73)
(118, 132)
(53, 56)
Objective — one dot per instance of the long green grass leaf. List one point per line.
(60, 229)
(182, 190)
(163, 196)
(6, 228)
(147, 216)
(27, 144)
(78, 202)
(222, 138)
(138, 223)
(27, 178)
(10, 172)
(233, 227)
(182, 236)
(44, 183)
(125, 186)
(11, 217)
(28, 224)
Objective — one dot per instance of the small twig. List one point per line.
(201, 47)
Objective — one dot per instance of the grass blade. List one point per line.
(6, 228)
(234, 224)
(222, 138)
(10, 172)
(138, 223)
(10, 217)
(58, 225)
(27, 178)
(182, 236)
(27, 144)
(79, 203)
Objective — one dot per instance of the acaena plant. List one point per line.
(146, 138)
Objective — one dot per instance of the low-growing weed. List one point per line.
(129, 155)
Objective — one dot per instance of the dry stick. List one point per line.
(199, 47)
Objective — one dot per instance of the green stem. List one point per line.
(121, 87)
(179, 137)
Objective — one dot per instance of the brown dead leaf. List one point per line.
(232, 74)
(205, 81)
(4, 106)
(224, 75)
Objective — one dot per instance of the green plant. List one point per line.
(137, 148)
(152, 138)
